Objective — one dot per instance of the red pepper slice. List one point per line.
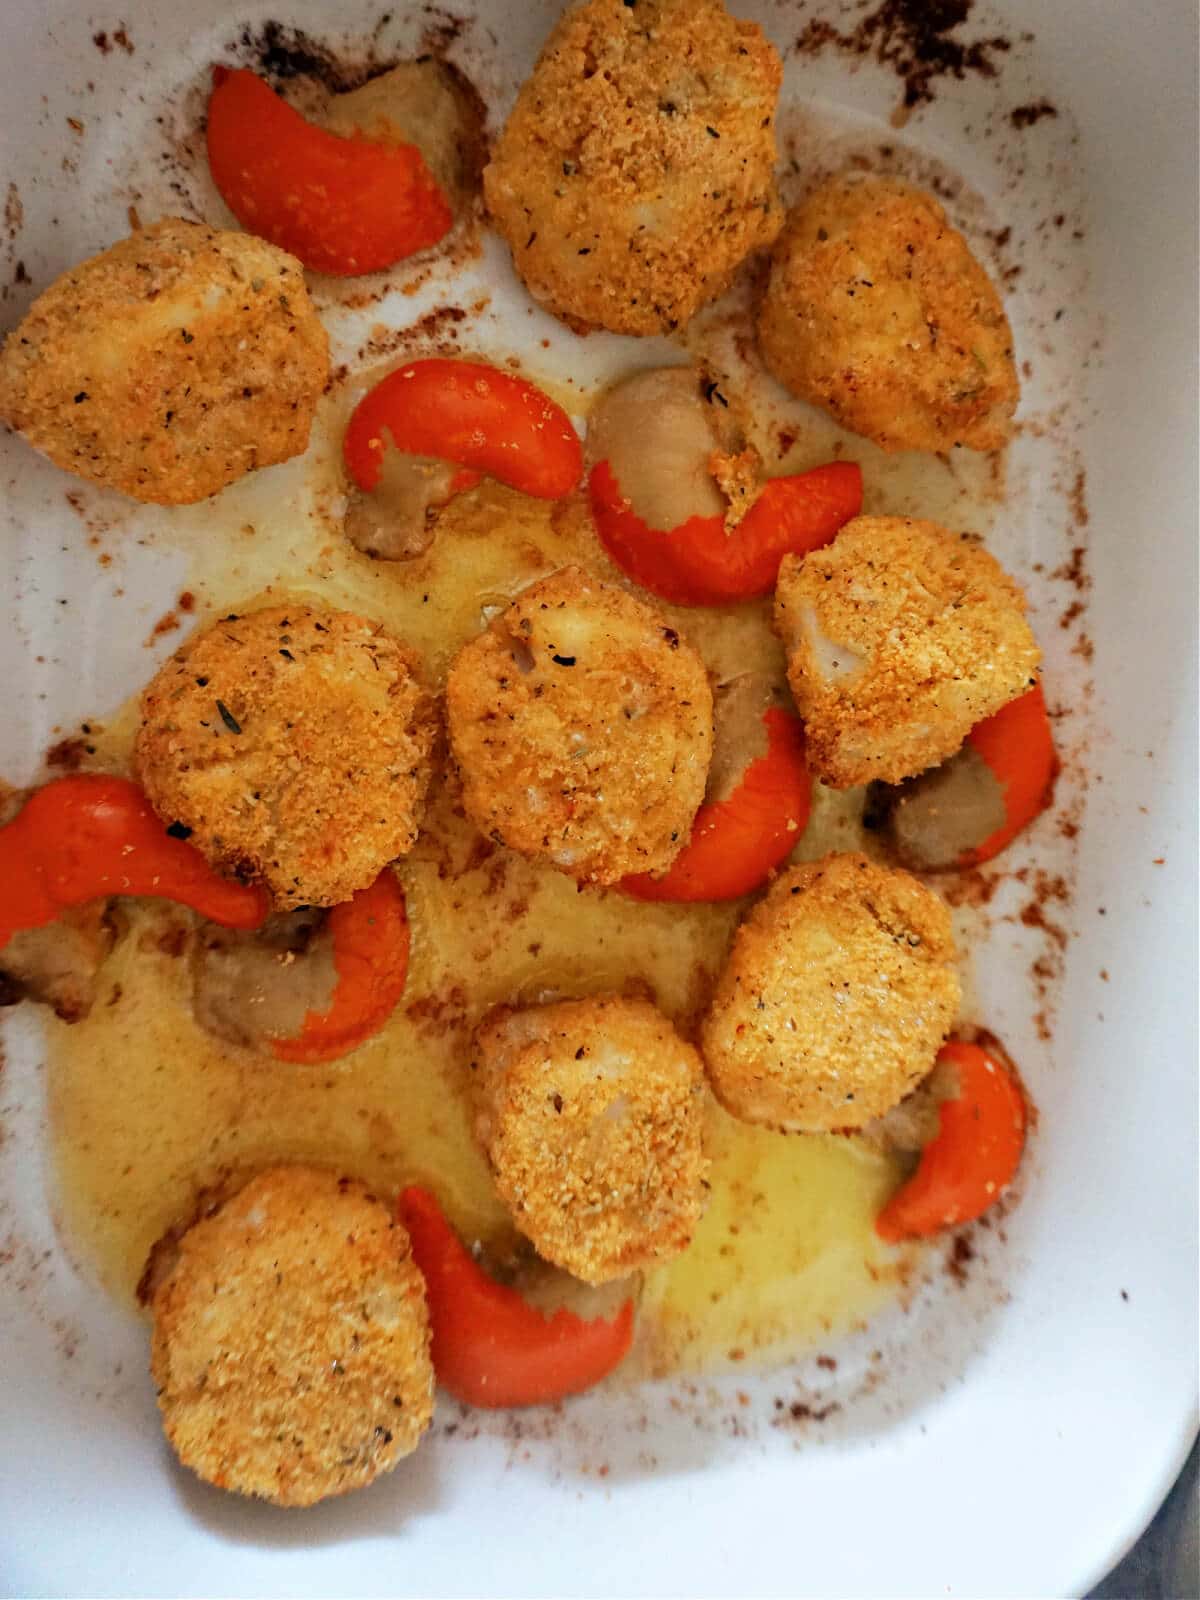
(370, 954)
(699, 563)
(737, 843)
(1018, 746)
(490, 1346)
(89, 836)
(968, 1164)
(486, 421)
(343, 206)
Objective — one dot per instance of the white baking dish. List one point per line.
(1020, 1430)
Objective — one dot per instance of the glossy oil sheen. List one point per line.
(147, 1110)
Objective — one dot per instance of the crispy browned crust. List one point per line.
(581, 723)
(170, 365)
(839, 990)
(928, 634)
(636, 170)
(314, 775)
(290, 1349)
(591, 1114)
(877, 311)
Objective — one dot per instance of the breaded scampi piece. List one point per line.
(636, 170)
(296, 744)
(290, 1348)
(581, 723)
(900, 637)
(170, 365)
(837, 994)
(878, 312)
(591, 1114)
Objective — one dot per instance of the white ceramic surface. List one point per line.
(1028, 1425)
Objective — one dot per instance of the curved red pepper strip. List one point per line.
(737, 843)
(343, 206)
(490, 1346)
(699, 563)
(89, 836)
(467, 412)
(971, 1160)
(1018, 746)
(370, 955)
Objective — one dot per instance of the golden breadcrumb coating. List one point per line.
(297, 746)
(900, 638)
(591, 1113)
(582, 723)
(877, 311)
(170, 365)
(291, 1341)
(636, 171)
(837, 994)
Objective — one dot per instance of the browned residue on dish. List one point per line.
(167, 623)
(280, 52)
(14, 212)
(436, 333)
(918, 39)
(119, 39)
(69, 754)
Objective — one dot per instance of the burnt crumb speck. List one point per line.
(1023, 117)
(442, 29)
(1074, 570)
(805, 1411)
(14, 212)
(918, 39)
(1033, 915)
(281, 53)
(167, 623)
(959, 1258)
(118, 39)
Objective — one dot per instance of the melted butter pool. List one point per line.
(147, 1110)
